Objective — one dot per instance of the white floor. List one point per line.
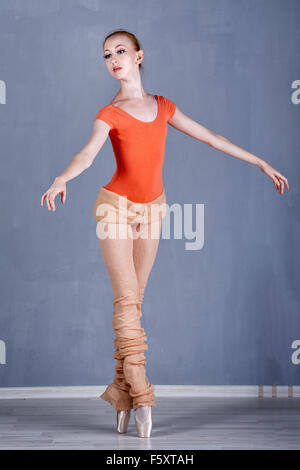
(233, 422)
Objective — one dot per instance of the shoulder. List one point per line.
(168, 105)
(107, 114)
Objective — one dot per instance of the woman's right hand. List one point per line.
(58, 187)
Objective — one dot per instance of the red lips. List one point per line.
(116, 68)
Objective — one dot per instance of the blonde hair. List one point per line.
(131, 36)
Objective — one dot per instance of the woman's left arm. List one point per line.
(185, 124)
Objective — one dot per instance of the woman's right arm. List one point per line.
(80, 162)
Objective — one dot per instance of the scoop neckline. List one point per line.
(139, 120)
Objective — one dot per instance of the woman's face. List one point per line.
(118, 51)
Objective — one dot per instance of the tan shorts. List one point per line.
(111, 207)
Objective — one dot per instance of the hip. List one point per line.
(115, 208)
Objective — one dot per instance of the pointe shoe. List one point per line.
(143, 424)
(123, 417)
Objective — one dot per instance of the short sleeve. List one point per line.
(107, 115)
(170, 107)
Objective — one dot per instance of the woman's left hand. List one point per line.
(278, 179)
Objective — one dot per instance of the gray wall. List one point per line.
(225, 314)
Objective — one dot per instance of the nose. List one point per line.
(114, 59)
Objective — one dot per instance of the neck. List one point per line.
(131, 88)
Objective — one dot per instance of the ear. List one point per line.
(140, 56)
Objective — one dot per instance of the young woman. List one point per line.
(136, 122)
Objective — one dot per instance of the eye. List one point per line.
(107, 56)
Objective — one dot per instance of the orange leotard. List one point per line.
(139, 149)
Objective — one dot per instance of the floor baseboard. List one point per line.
(94, 391)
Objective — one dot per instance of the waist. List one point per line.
(113, 195)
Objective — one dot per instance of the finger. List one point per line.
(276, 183)
(48, 204)
(281, 185)
(284, 179)
(51, 200)
(42, 199)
